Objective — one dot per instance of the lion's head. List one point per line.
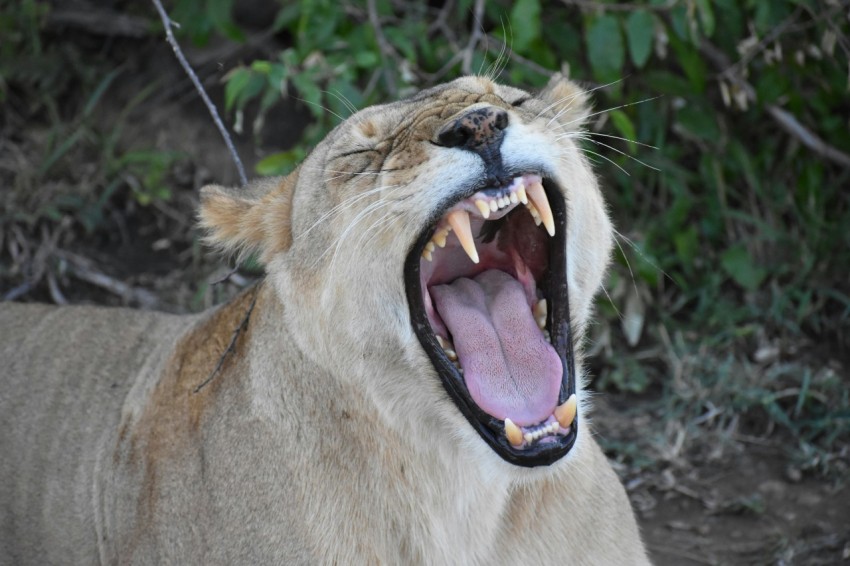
(447, 243)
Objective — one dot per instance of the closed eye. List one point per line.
(520, 102)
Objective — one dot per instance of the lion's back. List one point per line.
(65, 374)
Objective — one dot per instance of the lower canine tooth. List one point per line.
(566, 413)
(459, 221)
(513, 433)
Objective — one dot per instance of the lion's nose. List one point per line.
(479, 130)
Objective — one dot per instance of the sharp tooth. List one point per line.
(538, 197)
(540, 308)
(440, 237)
(484, 208)
(513, 433)
(494, 206)
(450, 354)
(459, 220)
(430, 246)
(541, 322)
(442, 342)
(520, 193)
(566, 413)
(427, 255)
(513, 198)
(534, 214)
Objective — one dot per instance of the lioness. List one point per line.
(405, 386)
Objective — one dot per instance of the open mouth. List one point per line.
(486, 285)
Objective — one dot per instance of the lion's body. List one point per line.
(304, 445)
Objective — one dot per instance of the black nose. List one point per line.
(478, 130)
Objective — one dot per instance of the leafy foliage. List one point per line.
(734, 238)
(735, 229)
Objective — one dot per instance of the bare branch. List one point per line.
(85, 270)
(783, 118)
(166, 21)
(474, 36)
(387, 51)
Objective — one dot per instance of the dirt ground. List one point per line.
(736, 499)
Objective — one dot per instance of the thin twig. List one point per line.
(783, 118)
(387, 51)
(522, 60)
(168, 23)
(232, 346)
(83, 269)
(474, 36)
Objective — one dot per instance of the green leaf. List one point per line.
(605, 49)
(640, 27)
(626, 128)
(738, 264)
(236, 81)
(525, 24)
(279, 163)
(706, 16)
(310, 93)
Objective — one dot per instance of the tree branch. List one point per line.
(783, 118)
(474, 36)
(166, 21)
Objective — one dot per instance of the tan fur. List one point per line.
(322, 434)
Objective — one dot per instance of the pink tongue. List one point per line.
(509, 369)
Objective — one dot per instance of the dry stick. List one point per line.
(387, 51)
(783, 118)
(474, 36)
(186, 67)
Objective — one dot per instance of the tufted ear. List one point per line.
(255, 218)
(568, 101)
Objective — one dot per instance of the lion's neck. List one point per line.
(438, 501)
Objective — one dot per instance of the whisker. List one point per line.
(637, 249)
(618, 151)
(347, 103)
(343, 205)
(614, 108)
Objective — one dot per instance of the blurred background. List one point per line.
(721, 133)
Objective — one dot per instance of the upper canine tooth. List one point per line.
(513, 433)
(566, 413)
(459, 221)
(484, 208)
(538, 197)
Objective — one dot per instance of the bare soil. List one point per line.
(735, 499)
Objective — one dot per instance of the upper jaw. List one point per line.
(516, 444)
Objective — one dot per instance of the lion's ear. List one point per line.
(251, 219)
(568, 101)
